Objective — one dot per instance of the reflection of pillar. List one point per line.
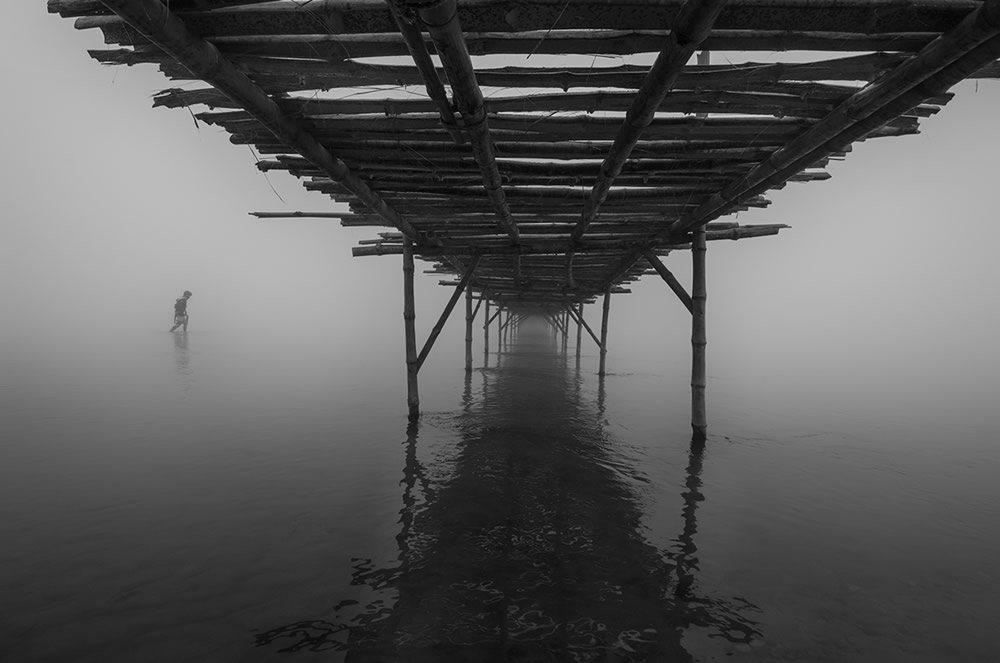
(698, 296)
(468, 329)
(687, 562)
(604, 329)
(409, 316)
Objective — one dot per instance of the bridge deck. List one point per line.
(562, 147)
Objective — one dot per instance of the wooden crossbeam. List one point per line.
(578, 317)
(687, 33)
(669, 278)
(432, 83)
(441, 21)
(436, 331)
(966, 48)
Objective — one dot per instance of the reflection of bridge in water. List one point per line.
(531, 548)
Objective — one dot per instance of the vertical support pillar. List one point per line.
(579, 329)
(409, 316)
(468, 330)
(699, 422)
(564, 314)
(499, 327)
(604, 330)
(486, 328)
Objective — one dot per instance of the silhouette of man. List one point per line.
(180, 311)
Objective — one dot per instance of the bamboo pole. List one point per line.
(365, 17)
(432, 83)
(486, 326)
(579, 328)
(332, 48)
(557, 324)
(564, 314)
(468, 329)
(479, 303)
(699, 422)
(429, 343)
(799, 80)
(557, 246)
(690, 29)
(441, 21)
(155, 20)
(604, 331)
(590, 331)
(745, 101)
(409, 317)
(669, 278)
(499, 315)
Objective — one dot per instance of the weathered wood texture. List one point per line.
(566, 144)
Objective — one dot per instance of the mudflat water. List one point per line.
(195, 497)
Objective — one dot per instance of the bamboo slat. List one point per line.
(512, 16)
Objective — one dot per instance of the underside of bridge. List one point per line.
(546, 153)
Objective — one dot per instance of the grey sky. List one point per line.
(112, 209)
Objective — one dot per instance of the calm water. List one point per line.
(200, 497)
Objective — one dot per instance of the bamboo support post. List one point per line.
(565, 320)
(409, 316)
(556, 323)
(468, 329)
(499, 317)
(604, 331)
(699, 422)
(486, 325)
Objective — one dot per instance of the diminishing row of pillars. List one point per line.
(561, 321)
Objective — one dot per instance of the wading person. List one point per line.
(181, 312)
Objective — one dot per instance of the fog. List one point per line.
(879, 301)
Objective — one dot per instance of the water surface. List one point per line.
(261, 497)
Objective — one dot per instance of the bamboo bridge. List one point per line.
(547, 153)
